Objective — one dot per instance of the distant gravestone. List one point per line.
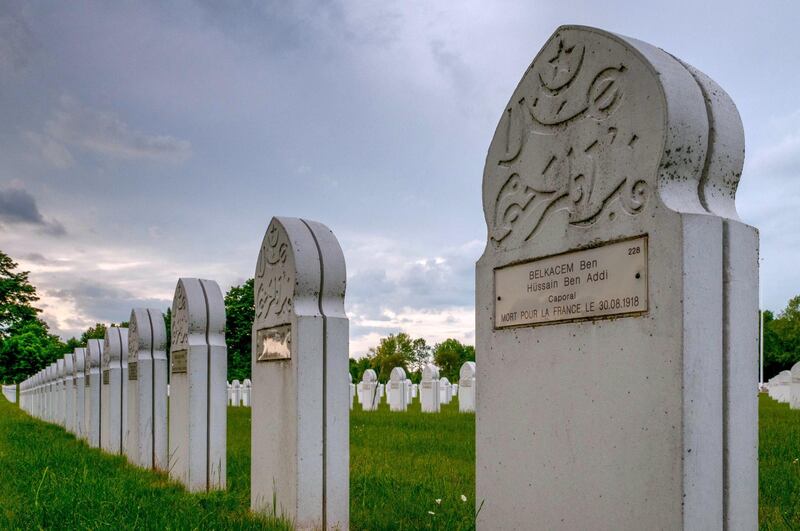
(300, 417)
(445, 391)
(783, 390)
(115, 394)
(147, 374)
(69, 392)
(429, 389)
(60, 394)
(794, 387)
(397, 394)
(229, 394)
(414, 390)
(197, 411)
(94, 396)
(408, 391)
(247, 389)
(369, 397)
(236, 393)
(466, 387)
(79, 381)
(351, 386)
(616, 298)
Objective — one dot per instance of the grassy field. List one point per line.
(408, 471)
(779, 465)
(401, 464)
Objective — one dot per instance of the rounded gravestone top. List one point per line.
(350, 376)
(247, 382)
(198, 314)
(796, 372)
(115, 345)
(236, 383)
(94, 353)
(369, 376)
(602, 124)
(467, 370)
(69, 364)
(61, 368)
(139, 333)
(397, 375)
(444, 381)
(430, 372)
(785, 376)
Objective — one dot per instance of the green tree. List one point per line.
(399, 350)
(239, 315)
(98, 331)
(782, 338)
(30, 349)
(450, 355)
(17, 295)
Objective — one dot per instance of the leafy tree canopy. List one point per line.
(450, 355)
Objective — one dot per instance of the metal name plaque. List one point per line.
(105, 377)
(599, 282)
(133, 370)
(179, 362)
(274, 344)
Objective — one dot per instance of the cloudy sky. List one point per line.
(140, 142)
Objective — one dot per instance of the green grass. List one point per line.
(779, 465)
(401, 463)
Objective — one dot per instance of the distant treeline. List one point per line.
(26, 344)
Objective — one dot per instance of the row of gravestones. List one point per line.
(785, 387)
(239, 393)
(433, 392)
(616, 304)
(114, 392)
(10, 393)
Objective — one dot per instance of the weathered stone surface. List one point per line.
(429, 393)
(147, 389)
(198, 388)
(466, 387)
(398, 390)
(79, 379)
(608, 139)
(300, 412)
(94, 396)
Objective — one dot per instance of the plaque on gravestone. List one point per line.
(274, 343)
(132, 371)
(179, 362)
(105, 377)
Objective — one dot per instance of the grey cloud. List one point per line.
(103, 302)
(102, 133)
(17, 206)
(16, 40)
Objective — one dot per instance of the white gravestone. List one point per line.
(429, 389)
(397, 394)
(79, 381)
(352, 389)
(414, 390)
(60, 402)
(794, 387)
(93, 389)
(69, 392)
(10, 393)
(408, 391)
(53, 394)
(466, 387)
(300, 413)
(115, 394)
(369, 396)
(197, 404)
(608, 193)
(247, 389)
(147, 373)
(358, 392)
(381, 390)
(229, 394)
(445, 391)
(236, 393)
(784, 386)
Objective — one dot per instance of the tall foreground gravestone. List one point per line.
(300, 408)
(197, 405)
(147, 378)
(616, 299)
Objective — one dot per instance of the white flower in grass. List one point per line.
(463, 498)
(431, 512)
(438, 501)
(795, 461)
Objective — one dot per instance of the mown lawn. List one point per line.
(401, 464)
(779, 465)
